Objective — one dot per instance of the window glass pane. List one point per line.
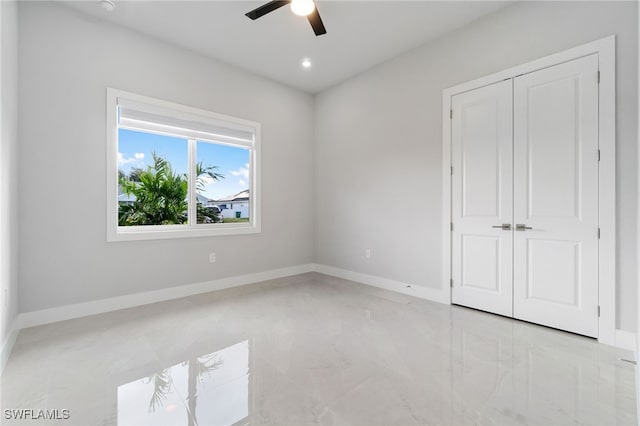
(152, 179)
(223, 183)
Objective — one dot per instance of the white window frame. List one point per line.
(191, 229)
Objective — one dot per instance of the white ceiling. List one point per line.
(360, 33)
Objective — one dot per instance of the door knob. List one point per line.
(522, 227)
(504, 226)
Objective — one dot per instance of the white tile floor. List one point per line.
(312, 349)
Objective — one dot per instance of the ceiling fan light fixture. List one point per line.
(302, 7)
(299, 7)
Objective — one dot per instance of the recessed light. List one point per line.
(107, 5)
(306, 63)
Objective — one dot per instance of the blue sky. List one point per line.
(135, 149)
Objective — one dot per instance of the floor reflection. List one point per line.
(208, 389)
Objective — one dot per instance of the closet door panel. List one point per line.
(482, 198)
(556, 196)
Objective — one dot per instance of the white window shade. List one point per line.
(190, 125)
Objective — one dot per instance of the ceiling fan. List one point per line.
(299, 7)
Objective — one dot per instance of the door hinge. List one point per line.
(598, 311)
(598, 155)
(452, 226)
(451, 170)
(451, 282)
(450, 114)
(598, 233)
(598, 76)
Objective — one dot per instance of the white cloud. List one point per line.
(242, 171)
(137, 158)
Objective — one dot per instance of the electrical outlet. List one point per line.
(367, 253)
(212, 257)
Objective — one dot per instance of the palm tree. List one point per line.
(206, 175)
(161, 194)
(134, 174)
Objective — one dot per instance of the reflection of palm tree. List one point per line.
(198, 368)
(192, 396)
(162, 383)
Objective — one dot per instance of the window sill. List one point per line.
(141, 233)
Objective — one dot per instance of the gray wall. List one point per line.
(8, 166)
(378, 139)
(66, 62)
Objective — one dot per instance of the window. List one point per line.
(173, 169)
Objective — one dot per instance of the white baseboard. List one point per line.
(428, 293)
(61, 313)
(626, 340)
(7, 345)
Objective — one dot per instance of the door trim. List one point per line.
(605, 48)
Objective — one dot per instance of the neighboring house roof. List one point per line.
(202, 199)
(125, 198)
(240, 196)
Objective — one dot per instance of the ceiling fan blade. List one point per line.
(316, 22)
(267, 8)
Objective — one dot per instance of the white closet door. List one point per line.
(482, 198)
(556, 196)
